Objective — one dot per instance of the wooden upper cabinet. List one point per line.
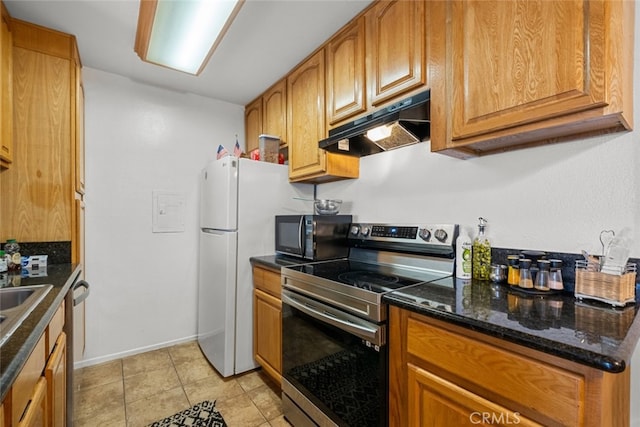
(305, 117)
(6, 90)
(346, 73)
(395, 45)
(519, 73)
(252, 124)
(274, 111)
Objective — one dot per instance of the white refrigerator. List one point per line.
(238, 201)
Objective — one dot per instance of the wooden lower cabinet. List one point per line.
(36, 413)
(438, 402)
(441, 374)
(37, 397)
(267, 322)
(56, 375)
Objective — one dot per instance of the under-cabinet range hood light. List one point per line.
(182, 35)
(398, 125)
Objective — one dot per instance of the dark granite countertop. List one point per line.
(15, 351)
(590, 333)
(277, 261)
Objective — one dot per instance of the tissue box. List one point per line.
(34, 262)
(269, 147)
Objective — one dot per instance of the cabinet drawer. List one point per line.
(267, 281)
(24, 385)
(54, 328)
(498, 374)
(35, 414)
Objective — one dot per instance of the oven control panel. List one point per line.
(418, 234)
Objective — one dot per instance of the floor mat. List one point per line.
(203, 414)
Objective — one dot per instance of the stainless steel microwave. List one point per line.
(313, 237)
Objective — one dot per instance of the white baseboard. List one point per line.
(97, 360)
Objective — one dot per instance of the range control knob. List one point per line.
(441, 235)
(425, 234)
(366, 231)
(354, 230)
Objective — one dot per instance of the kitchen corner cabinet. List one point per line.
(267, 322)
(396, 49)
(47, 170)
(37, 397)
(306, 126)
(442, 374)
(510, 75)
(6, 89)
(346, 92)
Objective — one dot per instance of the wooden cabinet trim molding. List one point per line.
(44, 40)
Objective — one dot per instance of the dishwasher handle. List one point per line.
(83, 296)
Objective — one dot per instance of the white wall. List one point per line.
(555, 198)
(139, 139)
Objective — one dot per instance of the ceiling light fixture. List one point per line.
(182, 34)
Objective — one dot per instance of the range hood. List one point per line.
(404, 123)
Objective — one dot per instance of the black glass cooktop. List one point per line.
(372, 277)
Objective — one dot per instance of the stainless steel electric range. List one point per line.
(334, 322)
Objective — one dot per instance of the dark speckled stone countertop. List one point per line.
(276, 262)
(589, 333)
(15, 351)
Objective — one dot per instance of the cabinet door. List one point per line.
(56, 375)
(513, 73)
(252, 124)
(268, 333)
(433, 401)
(346, 73)
(306, 117)
(274, 111)
(395, 49)
(79, 134)
(77, 244)
(40, 209)
(36, 413)
(6, 90)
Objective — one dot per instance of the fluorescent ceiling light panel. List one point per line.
(182, 34)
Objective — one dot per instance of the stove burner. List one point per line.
(367, 279)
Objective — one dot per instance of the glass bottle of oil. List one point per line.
(481, 253)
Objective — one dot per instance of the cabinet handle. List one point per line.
(81, 284)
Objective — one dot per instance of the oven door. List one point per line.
(333, 373)
(290, 235)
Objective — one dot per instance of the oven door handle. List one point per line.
(354, 325)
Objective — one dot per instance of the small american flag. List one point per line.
(222, 152)
(237, 151)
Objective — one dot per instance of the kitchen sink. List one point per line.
(15, 305)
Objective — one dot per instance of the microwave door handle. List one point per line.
(300, 239)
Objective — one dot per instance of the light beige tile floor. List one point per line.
(138, 390)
